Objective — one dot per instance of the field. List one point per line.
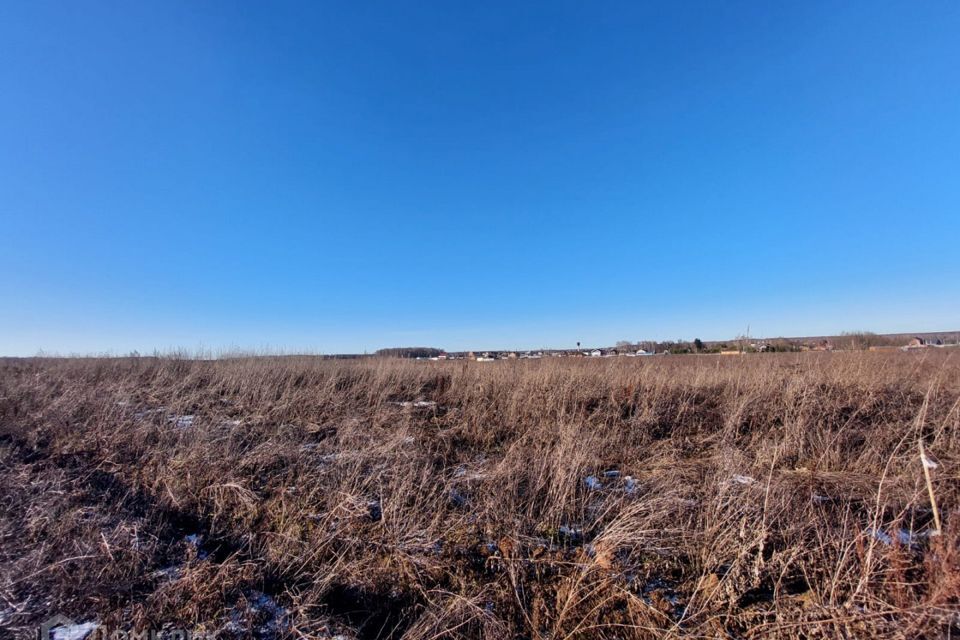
(769, 495)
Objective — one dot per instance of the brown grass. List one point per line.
(757, 496)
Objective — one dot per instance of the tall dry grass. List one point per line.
(756, 496)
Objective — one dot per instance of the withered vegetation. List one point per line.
(769, 495)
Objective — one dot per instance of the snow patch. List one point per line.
(593, 483)
(270, 620)
(143, 414)
(275, 614)
(418, 404)
(195, 540)
(904, 536)
(573, 534)
(182, 422)
(73, 631)
(172, 572)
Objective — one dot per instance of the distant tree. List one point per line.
(784, 346)
(866, 339)
(698, 345)
(409, 352)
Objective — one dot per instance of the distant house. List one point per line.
(915, 343)
(643, 352)
(596, 353)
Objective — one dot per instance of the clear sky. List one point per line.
(340, 177)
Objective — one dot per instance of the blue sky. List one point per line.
(348, 176)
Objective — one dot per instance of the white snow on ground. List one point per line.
(416, 403)
(143, 414)
(168, 573)
(881, 535)
(904, 536)
(182, 422)
(572, 533)
(73, 631)
(277, 614)
(196, 540)
(272, 619)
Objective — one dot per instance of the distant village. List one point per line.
(854, 341)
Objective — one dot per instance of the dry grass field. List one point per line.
(680, 496)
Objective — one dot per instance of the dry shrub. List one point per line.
(688, 496)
